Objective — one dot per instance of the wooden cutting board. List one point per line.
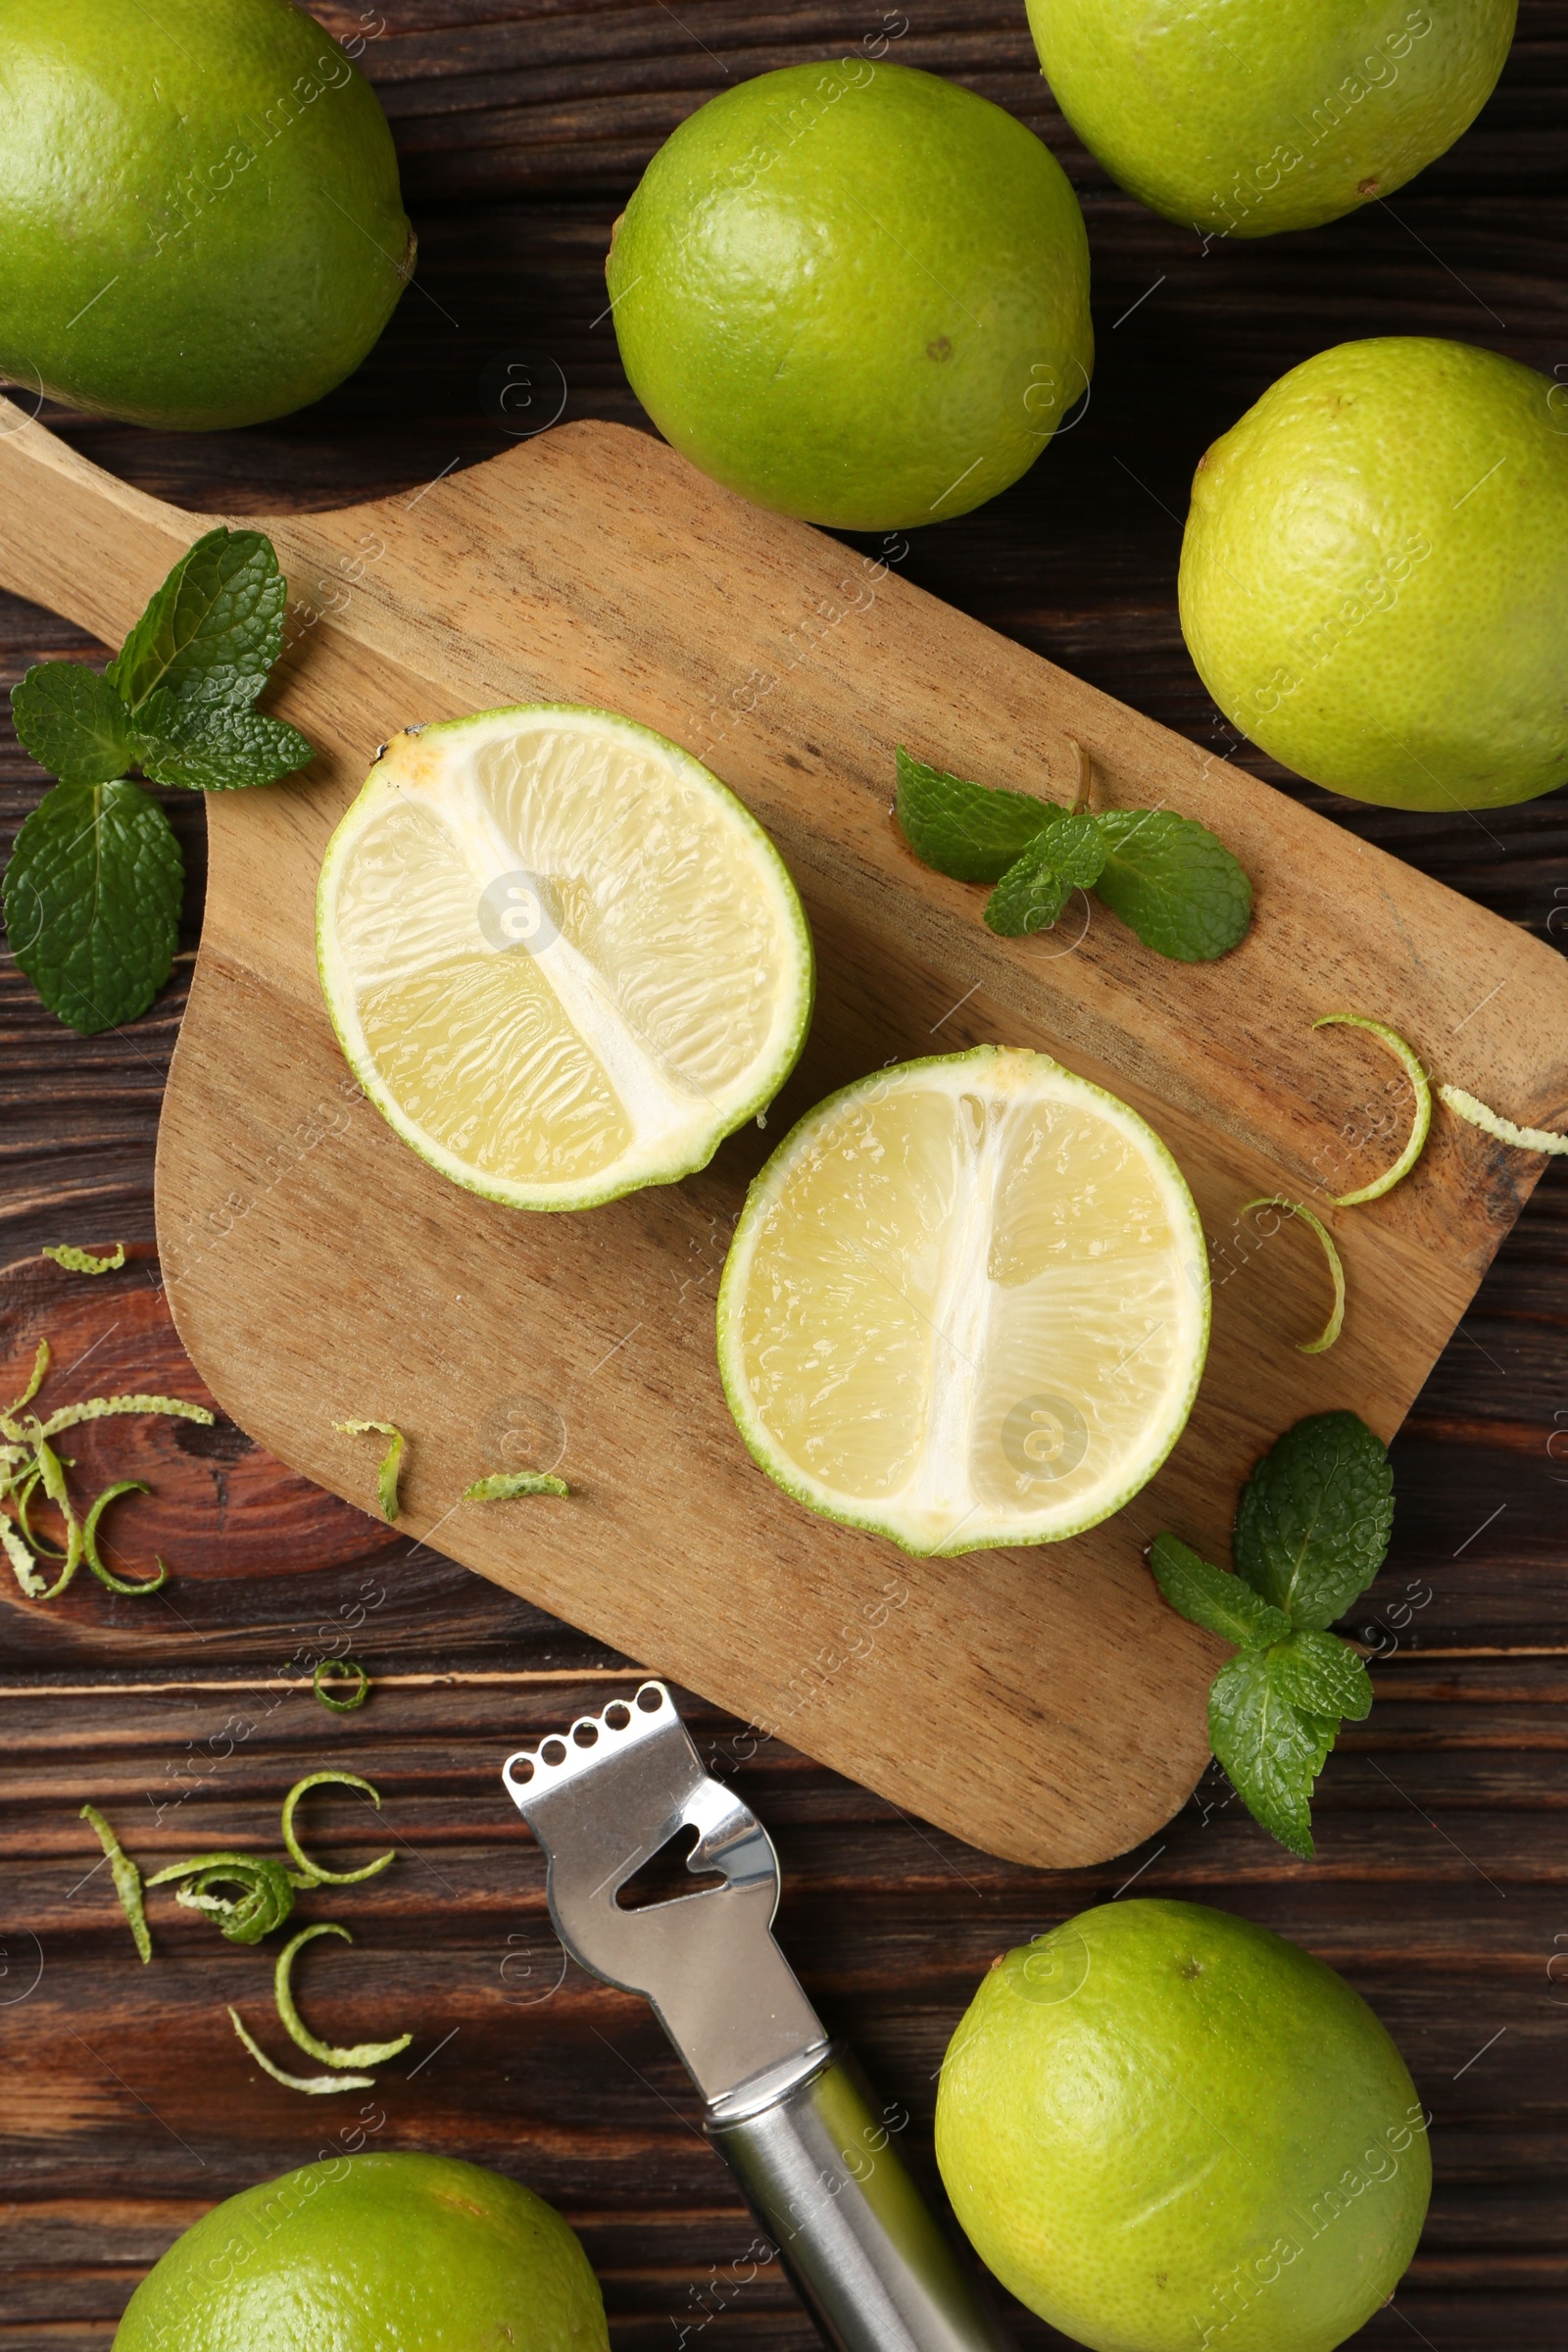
(1040, 1703)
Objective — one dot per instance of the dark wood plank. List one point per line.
(1438, 1889)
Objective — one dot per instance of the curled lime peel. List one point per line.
(386, 1482)
(89, 1544)
(98, 1408)
(339, 1670)
(40, 1365)
(315, 1873)
(317, 2085)
(503, 1485)
(23, 1564)
(1410, 1063)
(25, 1490)
(265, 1897)
(80, 1261)
(358, 2053)
(128, 1880)
(1298, 1208)
(48, 1468)
(1491, 1122)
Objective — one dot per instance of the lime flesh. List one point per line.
(1374, 577)
(855, 293)
(967, 1304)
(368, 2253)
(1165, 2128)
(199, 222)
(562, 960)
(1245, 117)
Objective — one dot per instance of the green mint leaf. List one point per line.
(1174, 883)
(212, 750)
(1324, 1676)
(1035, 888)
(1030, 896)
(214, 629)
(1206, 1596)
(73, 722)
(1272, 1749)
(971, 832)
(92, 902)
(1314, 1519)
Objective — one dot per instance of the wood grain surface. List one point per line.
(1439, 1886)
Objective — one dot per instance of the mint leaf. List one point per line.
(1174, 883)
(213, 750)
(213, 630)
(1272, 1749)
(1324, 1676)
(1035, 888)
(1029, 897)
(970, 832)
(73, 722)
(92, 902)
(1314, 1519)
(1206, 1596)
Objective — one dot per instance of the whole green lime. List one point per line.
(1374, 578)
(199, 222)
(1244, 117)
(388, 2253)
(855, 293)
(1164, 2128)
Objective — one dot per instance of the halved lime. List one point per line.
(967, 1304)
(562, 960)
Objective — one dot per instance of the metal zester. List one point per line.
(785, 2106)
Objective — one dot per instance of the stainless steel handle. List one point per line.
(822, 2174)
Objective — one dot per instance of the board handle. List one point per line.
(75, 539)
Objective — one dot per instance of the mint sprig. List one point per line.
(93, 891)
(1170, 880)
(1312, 1529)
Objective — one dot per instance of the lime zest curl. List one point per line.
(1298, 1208)
(40, 1365)
(335, 1670)
(315, 2085)
(48, 1468)
(27, 1460)
(98, 1408)
(89, 1544)
(21, 1561)
(1491, 1122)
(315, 1873)
(358, 2053)
(1410, 1063)
(128, 1880)
(386, 1482)
(79, 1262)
(263, 1901)
(503, 1485)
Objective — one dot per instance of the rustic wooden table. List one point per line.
(1441, 1888)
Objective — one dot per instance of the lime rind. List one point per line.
(358, 2053)
(631, 1170)
(317, 2085)
(1491, 1122)
(995, 1533)
(390, 1465)
(1410, 1063)
(1336, 1264)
